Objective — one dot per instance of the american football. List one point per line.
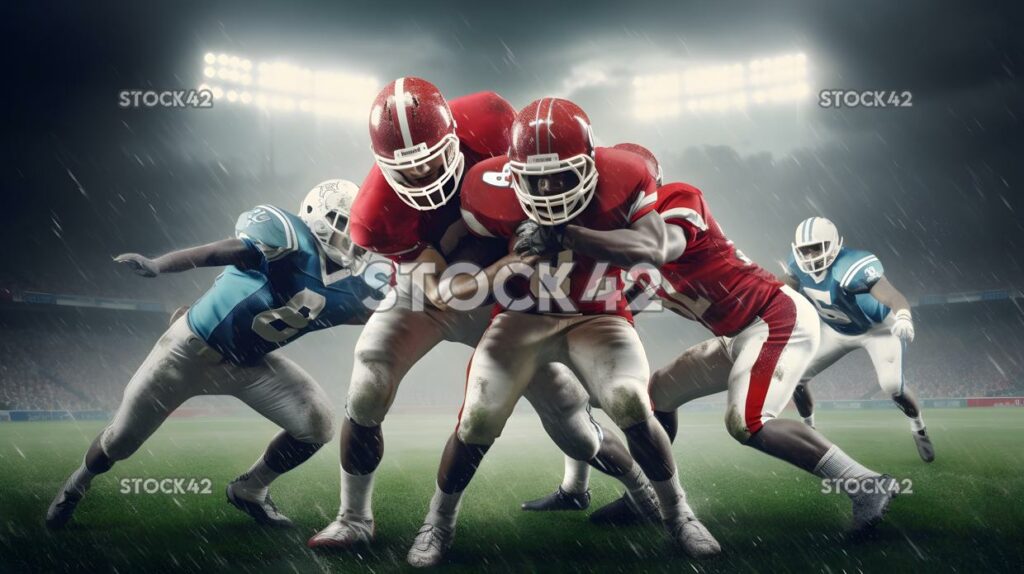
(555, 287)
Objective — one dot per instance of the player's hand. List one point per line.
(903, 327)
(533, 238)
(140, 264)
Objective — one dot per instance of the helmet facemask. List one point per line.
(436, 193)
(815, 257)
(562, 206)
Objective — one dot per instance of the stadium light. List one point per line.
(281, 86)
(761, 81)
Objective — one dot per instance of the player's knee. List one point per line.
(736, 424)
(319, 428)
(481, 424)
(373, 382)
(626, 403)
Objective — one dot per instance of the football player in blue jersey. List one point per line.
(286, 276)
(859, 309)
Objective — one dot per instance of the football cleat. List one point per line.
(871, 504)
(63, 507)
(262, 511)
(430, 546)
(694, 538)
(924, 445)
(343, 534)
(559, 500)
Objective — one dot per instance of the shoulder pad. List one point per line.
(268, 229)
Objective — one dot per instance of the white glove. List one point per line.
(903, 327)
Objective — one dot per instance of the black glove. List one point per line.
(141, 265)
(533, 238)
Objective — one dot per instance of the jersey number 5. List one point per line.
(279, 325)
(823, 301)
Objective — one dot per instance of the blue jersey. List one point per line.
(842, 292)
(250, 312)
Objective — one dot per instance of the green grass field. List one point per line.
(965, 513)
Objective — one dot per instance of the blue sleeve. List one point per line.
(267, 229)
(862, 273)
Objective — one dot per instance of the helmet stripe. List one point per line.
(536, 125)
(400, 111)
(547, 123)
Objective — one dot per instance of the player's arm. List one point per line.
(217, 254)
(426, 269)
(891, 297)
(464, 286)
(642, 242)
(788, 280)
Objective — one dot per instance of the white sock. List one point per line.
(837, 464)
(809, 419)
(256, 486)
(576, 479)
(356, 495)
(444, 509)
(80, 480)
(917, 423)
(671, 497)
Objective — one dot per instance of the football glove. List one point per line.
(535, 239)
(903, 327)
(139, 264)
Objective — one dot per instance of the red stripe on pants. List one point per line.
(780, 315)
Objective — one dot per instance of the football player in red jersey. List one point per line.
(407, 209)
(562, 199)
(767, 336)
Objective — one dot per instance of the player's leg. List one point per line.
(502, 366)
(886, 352)
(564, 408)
(389, 345)
(770, 357)
(288, 396)
(607, 354)
(699, 371)
(165, 379)
(833, 347)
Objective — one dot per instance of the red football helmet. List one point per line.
(551, 160)
(412, 133)
(653, 165)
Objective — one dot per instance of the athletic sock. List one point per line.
(444, 509)
(356, 495)
(836, 464)
(671, 497)
(809, 420)
(576, 479)
(917, 424)
(257, 480)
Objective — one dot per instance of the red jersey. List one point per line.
(382, 223)
(625, 193)
(712, 282)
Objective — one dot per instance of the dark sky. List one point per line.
(934, 190)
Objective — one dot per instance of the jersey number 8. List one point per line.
(279, 325)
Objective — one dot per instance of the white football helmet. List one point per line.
(816, 245)
(326, 210)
